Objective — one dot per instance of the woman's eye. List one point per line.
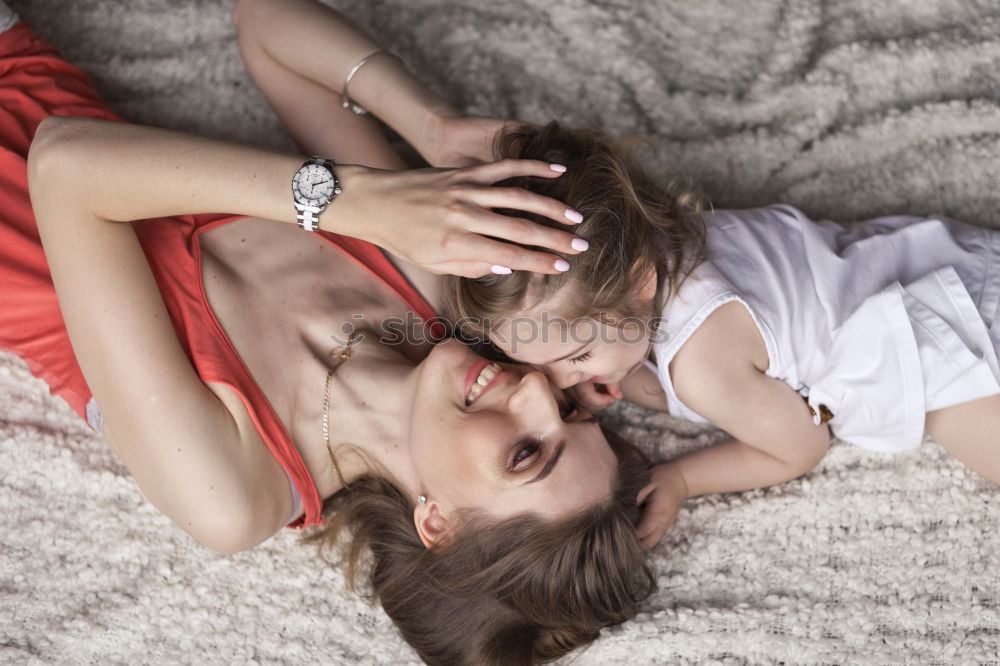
(524, 453)
(581, 358)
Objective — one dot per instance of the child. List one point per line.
(775, 328)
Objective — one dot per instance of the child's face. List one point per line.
(572, 352)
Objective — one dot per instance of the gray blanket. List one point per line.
(847, 109)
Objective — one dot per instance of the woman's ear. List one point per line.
(431, 524)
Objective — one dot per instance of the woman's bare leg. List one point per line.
(970, 431)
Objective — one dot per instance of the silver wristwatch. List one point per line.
(314, 186)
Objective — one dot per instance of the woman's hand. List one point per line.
(441, 219)
(464, 140)
(663, 498)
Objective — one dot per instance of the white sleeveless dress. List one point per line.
(879, 322)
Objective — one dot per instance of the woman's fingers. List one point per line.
(499, 256)
(477, 269)
(529, 202)
(493, 172)
(525, 232)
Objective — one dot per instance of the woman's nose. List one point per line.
(533, 397)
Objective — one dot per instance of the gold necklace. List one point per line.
(338, 354)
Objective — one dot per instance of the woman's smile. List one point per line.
(480, 377)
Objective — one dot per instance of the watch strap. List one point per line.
(308, 216)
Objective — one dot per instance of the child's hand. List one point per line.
(596, 397)
(663, 498)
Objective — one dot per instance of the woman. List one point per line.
(213, 345)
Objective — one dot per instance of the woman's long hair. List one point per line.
(518, 591)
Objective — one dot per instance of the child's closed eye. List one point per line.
(581, 358)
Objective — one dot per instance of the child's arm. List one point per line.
(643, 388)
(728, 466)
(299, 53)
(773, 435)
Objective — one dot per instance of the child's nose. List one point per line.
(560, 377)
(565, 378)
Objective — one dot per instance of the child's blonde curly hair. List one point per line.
(632, 223)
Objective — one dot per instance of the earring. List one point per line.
(421, 499)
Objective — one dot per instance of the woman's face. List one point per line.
(512, 446)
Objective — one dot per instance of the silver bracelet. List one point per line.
(349, 103)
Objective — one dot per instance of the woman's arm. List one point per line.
(189, 455)
(437, 219)
(299, 53)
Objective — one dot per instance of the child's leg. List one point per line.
(970, 431)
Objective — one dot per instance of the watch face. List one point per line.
(314, 183)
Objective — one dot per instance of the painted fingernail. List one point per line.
(579, 244)
(561, 265)
(558, 167)
(500, 270)
(573, 216)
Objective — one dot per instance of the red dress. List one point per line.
(34, 83)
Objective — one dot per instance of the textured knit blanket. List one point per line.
(845, 108)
